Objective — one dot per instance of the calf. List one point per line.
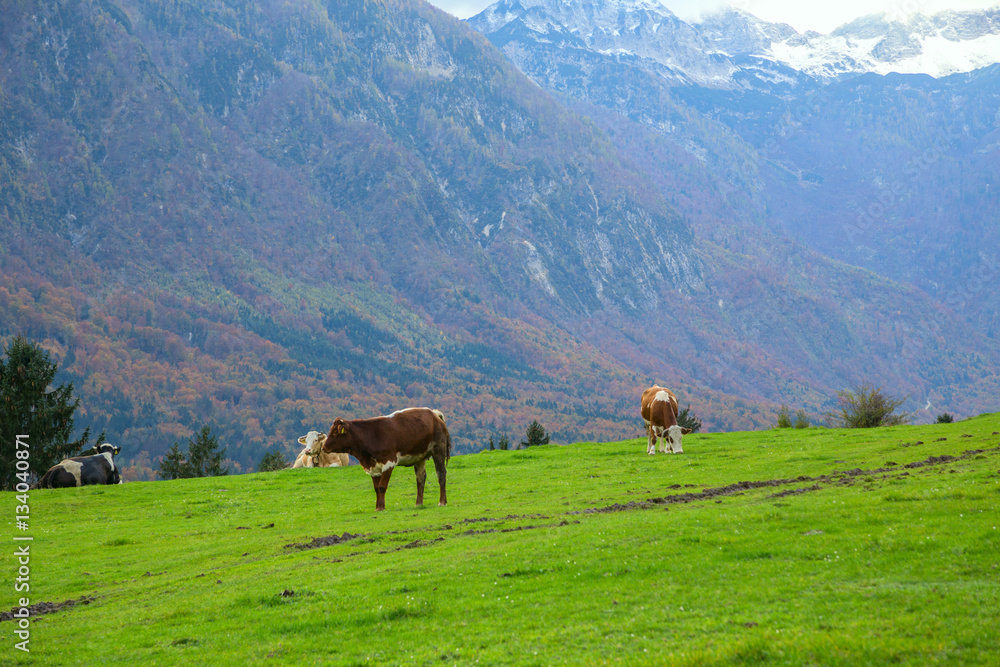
(406, 438)
(659, 411)
(313, 455)
(83, 470)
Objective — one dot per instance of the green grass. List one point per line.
(861, 561)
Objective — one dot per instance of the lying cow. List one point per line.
(313, 455)
(659, 411)
(406, 438)
(83, 470)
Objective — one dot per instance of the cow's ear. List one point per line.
(302, 440)
(339, 426)
(685, 431)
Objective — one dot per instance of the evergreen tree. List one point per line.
(272, 461)
(945, 418)
(504, 444)
(28, 408)
(203, 458)
(801, 420)
(204, 455)
(173, 465)
(536, 435)
(688, 420)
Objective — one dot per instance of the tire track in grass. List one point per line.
(818, 483)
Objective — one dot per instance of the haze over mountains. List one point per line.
(263, 216)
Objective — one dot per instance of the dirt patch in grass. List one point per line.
(795, 492)
(42, 608)
(516, 529)
(509, 517)
(617, 507)
(840, 477)
(327, 541)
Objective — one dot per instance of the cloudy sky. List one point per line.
(820, 16)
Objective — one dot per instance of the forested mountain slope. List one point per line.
(265, 215)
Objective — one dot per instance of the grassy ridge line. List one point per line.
(530, 564)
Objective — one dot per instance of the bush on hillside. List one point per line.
(784, 417)
(801, 419)
(945, 418)
(868, 406)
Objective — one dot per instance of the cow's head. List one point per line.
(338, 436)
(108, 448)
(314, 442)
(674, 435)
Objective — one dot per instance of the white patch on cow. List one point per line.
(379, 468)
(314, 442)
(405, 410)
(408, 460)
(110, 459)
(662, 396)
(73, 468)
(674, 435)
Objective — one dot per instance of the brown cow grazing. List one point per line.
(405, 438)
(659, 411)
(313, 456)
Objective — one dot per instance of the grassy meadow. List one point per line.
(784, 547)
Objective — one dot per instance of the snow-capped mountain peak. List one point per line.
(706, 52)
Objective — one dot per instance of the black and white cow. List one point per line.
(83, 470)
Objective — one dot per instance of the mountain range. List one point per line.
(724, 47)
(839, 147)
(262, 216)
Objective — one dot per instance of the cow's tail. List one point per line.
(447, 435)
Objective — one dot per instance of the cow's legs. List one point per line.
(650, 439)
(421, 471)
(441, 467)
(381, 482)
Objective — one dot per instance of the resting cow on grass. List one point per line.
(313, 455)
(659, 411)
(406, 438)
(83, 470)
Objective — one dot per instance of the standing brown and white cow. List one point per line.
(659, 411)
(405, 438)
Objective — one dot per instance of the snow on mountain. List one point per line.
(946, 43)
(713, 51)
